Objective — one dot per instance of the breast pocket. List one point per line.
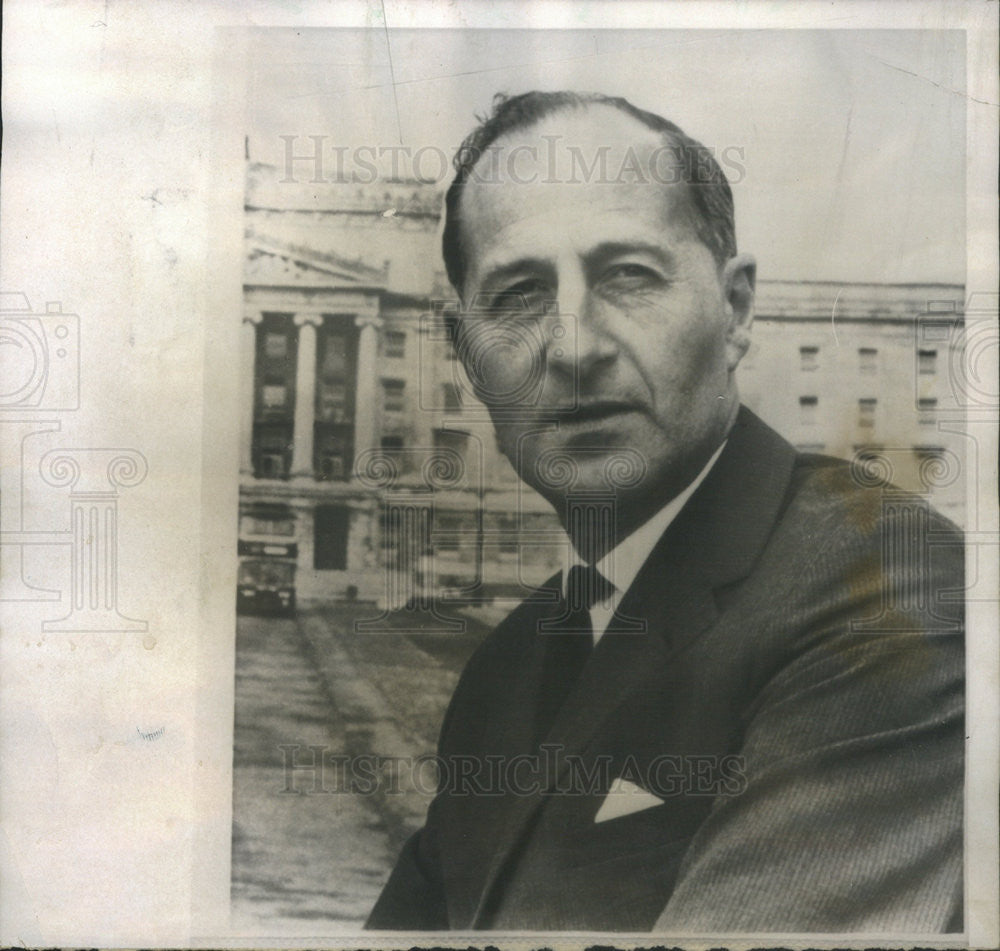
(667, 826)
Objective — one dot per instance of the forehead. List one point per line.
(584, 175)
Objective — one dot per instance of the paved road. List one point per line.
(313, 847)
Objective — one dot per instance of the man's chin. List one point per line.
(587, 465)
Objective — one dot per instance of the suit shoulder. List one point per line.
(488, 674)
(511, 638)
(860, 493)
(850, 538)
(513, 634)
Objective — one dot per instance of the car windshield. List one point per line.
(267, 573)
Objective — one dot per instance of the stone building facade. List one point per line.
(363, 449)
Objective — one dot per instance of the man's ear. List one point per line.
(739, 277)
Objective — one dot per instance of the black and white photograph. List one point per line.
(601, 564)
(512, 476)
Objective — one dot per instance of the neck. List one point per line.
(596, 525)
(597, 522)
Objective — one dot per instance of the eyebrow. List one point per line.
(613, 249)
(502, 272)
(600, 252)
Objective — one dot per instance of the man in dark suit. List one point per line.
(740, 708)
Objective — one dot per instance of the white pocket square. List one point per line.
(623, 799)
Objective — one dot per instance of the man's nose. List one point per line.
(581, 341)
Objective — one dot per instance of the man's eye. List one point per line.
(525, 297)
(630, 272)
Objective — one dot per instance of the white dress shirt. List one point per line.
(622, 563)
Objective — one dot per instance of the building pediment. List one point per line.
(270, 262)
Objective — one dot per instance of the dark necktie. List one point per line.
(569, 641)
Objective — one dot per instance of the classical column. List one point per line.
(248, 369)
(908, 540)
(366, 393)
(94, 477)
(305, 394)
(591, 516)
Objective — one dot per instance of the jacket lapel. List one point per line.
(510, 731)
(713, 542)
(673, 604)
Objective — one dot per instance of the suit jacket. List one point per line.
(794, 702)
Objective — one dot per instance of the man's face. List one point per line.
(652, 328)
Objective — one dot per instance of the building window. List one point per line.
(868, 360)
(263, 518)
(254, 524)
(395, 444)
(927, 361)
(928, 453)
(333, 363)
(273, 395)
(330, 538)
(449, 441)
(452, 397)
(274, 377)
(808, 358)
(454, 532)
(866, 413)
(870, 455)
(393, 397)
(332, 403)
(926, 407)
(506, 529)
(331, 466)
(394, 344)
(936, 330)
(275, 345)
(807, 409)
(447, 532)
(333, 452)
(335, 376)
(272, 449)
(272, 465)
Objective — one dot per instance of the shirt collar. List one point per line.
(622, 563)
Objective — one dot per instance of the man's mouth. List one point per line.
(594, 412)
